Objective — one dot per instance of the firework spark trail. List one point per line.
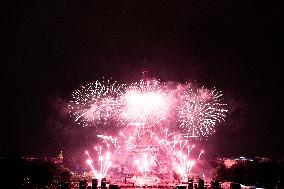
(128, 136)
(113, 140)
(144, 164)
(184, 164)
(175, 144)
(103, 160)
(90, 161)
(145, 160)
(201, 152)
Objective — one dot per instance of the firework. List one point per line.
(180, 151)
(157, 124)
(144, 163)
(148, 104)
(102, 163)
(183, 165)
(188, 109)
(199, 110)
(95, 103)
(140, 147)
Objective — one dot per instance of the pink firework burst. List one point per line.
(150, 104)
(199, 110)
(95, 103)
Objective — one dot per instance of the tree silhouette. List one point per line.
(16, 172)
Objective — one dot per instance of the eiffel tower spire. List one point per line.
(145, 73)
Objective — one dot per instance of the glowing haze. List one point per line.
(147, 105)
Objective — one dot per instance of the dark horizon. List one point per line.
(50, 49)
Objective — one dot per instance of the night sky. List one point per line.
(50, 48)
